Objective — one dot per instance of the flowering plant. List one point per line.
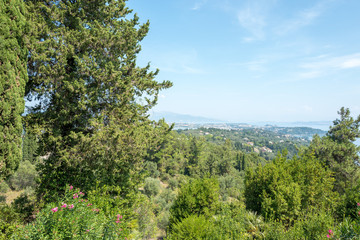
(73, 218)
(348, 229)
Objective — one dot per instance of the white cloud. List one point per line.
(199, 4)
(252, 19)
(256, 65)
(326, 64)
(351, 63)
(304, 17)
(311, 74)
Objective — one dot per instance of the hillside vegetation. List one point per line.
(86, 162)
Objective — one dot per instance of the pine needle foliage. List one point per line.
(13, 77)
(93, 99)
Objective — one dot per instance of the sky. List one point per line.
(254, 60)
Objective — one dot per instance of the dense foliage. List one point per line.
(13, 77)
(92, 98)
(88, 126)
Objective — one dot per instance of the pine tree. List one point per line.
(92, 117)
(13, 77)
(338, 151)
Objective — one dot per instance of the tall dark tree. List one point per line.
(338, 151)
(13, 77)
(93, 99)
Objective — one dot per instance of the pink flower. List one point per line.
(71, 206)
(117, 221)
(75, 196)
(64, 206)
(87, 230)
(54, 209)
(89, 204)
(81, 193)
(358, 204)
(330, 232)
(328, 236)
(71, 187)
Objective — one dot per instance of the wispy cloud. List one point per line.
(304, 17)
(256, 65)
(199, 4)
(252, 19)
(326, 64)
(179, 62)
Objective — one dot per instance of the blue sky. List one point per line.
(254, 60)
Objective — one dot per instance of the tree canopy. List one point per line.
(13, 77)
(92, 98)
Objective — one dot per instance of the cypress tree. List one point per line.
(91, 117)
(13, 77)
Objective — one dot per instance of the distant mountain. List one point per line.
(182, 118)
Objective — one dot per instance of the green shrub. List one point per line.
(146, 220)
(152, 186)
(73, 218)
(173, 183)
(195, 228)
(151, 168)
(315, 225)
(4, 187)
(25, 206)
(9, 219)
(349, 228)
(163, 220)
(199, 197)
(24, 177)
(230, 220)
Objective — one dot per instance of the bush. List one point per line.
(73, 218)
(231, 221)
(8, 221)
(146, 220)
(195, 228)
(199, 197)
(152, 186)
(4, 187)
(173, 183)
(349, 228)
(151, 168)
(24, 177)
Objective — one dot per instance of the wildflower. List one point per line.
(87, 230)
(71, 187)
(81, 193)
(75, 196)
(54, 209)
(71, 206)
(330, 232)
(328, 236)
(117, 221)
(89, 204)
(358, 204)
(64, 206)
